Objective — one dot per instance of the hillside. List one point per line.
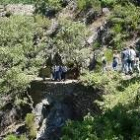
(91, 104)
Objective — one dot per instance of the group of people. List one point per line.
(129, 61)
(59, 72)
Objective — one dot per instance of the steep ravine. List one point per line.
(52, 103)
(56, 102)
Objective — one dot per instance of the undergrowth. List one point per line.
(120, 110)
(17, 1)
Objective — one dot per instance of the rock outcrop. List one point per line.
(16, 9)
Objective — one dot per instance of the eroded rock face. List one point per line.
(7, 116)
(91, 16)
(53, 28)
(67, 101)
(41, 110)
(51, 115)
(10, 114)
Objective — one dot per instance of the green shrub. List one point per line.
(84, 4)
(42, 6)
(119, 119)
(109, 55)
(108, 2)
(79, 130)
(69, 42)
(11, 137)
(29, 120)
(124, 23)
(96, 45)
(17, 1)
(18, 54)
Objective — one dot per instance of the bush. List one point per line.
(123, 24)
(119, 119)
(109, 55)
(84, 4)
(70, 42)
(109, 3)
(12, 137)
(17, 1)
(22, 52)
(43, 6)
(29, 120)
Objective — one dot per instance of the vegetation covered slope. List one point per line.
(19, 56)
(120, 110)
(27, 41)
(17, 2)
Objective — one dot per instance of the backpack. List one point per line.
(123, 55)
(130, 55)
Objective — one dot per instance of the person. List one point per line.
(136, 65)
(115, 61)
(104, 62)
(131, 59)
(60, 73)
(53, 73)
(64, 71)
(57, 72)
(124, 60)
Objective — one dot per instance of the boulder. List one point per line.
(41, 109)
(90, 16)
(105, 11)
(53, 28)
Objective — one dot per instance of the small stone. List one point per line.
(105, 10)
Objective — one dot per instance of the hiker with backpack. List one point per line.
(136, 65)
(131, 59)
(57, 71)
(64, 72)
(115, 61)
(124, 60)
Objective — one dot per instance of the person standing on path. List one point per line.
(53, 73)
(131, 59)
(57, 72)
(115, 61)
(64, 72)
(124, 60)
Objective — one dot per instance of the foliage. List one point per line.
(108, 2)
(69, 42)
(109, 55)
(124, 24)
(84, 4)
(21, 53)
(12, 137)
(98, 82)
(120, 106)
(42, 6)
(29, 120)
(17, 1)
(80, 130)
